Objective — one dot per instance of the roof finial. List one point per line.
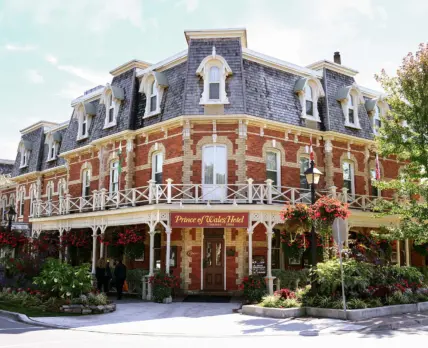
(213, 52)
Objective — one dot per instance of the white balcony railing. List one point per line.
(170, 193)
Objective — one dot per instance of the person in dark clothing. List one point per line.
(107, 278)
(120, 276)
(100, 271)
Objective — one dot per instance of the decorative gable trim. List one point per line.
(112, 96)
(160, 82)
(343, 96)
(300, 88)
(84, 113)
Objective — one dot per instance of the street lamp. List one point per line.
(10, 215)
(313, 176)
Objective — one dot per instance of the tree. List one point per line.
(404, 135)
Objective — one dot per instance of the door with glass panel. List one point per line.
(213, 259)
(214, 172)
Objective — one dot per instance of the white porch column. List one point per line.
(250, 251)
(101, 246)
(407, 247)
(269, 277)
(151, 260)
(398, 253)
(168, 249)
(94, 248)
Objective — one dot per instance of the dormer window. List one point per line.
(53, 141)
(376, 109)
(350, 97)
(84, 114)
(377, 123)
(153, 86)
(25, 149)
(112, 98)
(214, 71)
(309, 90)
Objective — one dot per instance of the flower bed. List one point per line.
(163, 284)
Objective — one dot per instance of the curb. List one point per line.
(22, 318)
(396, 325)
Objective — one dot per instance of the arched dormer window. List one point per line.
(25, 149)
(376, 108)
(112, 98)
(84, 113)
(309, 90)
(153, 86)
(350, 97)
(214, 70)
(53, 140)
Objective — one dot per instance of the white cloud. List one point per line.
(86, 74)
(190, 5)
(72, 90)
(22, 48)
(34, 76)
(51, 59)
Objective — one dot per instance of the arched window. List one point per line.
(21, 202)
(157, 167)
(86, 183)
(110, 109)
(376, 119)
(153, 96)
(214, 83)
(351, 109)
(114, 177)
(348, 177)
(273, 167)
(84, 127)
(32, 196)
(309, 100)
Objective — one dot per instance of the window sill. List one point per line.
(214, 102)
(151, 114)
(82, 138)
(51, 159)
(106, 126)
(23, 166)
(351, 125)
(311, 118)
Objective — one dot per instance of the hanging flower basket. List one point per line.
(296, 218)
(294, 247)
(78, 239)
(12, 239)
(130, 239)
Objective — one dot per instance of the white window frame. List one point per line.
(373, 178)
(86, 184)
(61, 188)
(83, 119)
(377, 113)
(3, 207)
(357, 99)
(214, 191)
(155, 157)
(114, 177)
(32, 197)
(153, 92)
(53, 147)
(352, 173)
(301, 88)
(50, 191)
(204, 71)
(150, 83)
(278, 167)
(110, 105)
(21, 202)
(25, 154)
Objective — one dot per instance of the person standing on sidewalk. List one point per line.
(107, 278)
(120, 276)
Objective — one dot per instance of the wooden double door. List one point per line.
(213, 259)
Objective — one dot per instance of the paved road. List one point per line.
(17, 335)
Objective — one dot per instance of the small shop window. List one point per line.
(157, 250)
(276, 249)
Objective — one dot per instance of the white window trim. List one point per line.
(352, 167)
(145, 88)
(81, 117)
(24, 154)
(154, 172)
(112, 169)
(278, 166)
(358, 99)
(204, 71)
(111, 103)
(21, 205)
(52, 144)
(379, 191)
(50, 189)
(32, 198)
(226, 161)
(84, 183)
(317, 92)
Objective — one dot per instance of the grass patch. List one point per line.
(33, 312)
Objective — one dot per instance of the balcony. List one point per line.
(181, 194)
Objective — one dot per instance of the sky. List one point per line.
(51, 51)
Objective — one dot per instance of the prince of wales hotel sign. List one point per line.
(209, 220)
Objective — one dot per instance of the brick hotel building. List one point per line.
(203, 149)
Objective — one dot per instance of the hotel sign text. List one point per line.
(209, 220)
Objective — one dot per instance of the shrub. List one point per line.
(271, 301)
(285, 293)
(356, 303)
(292, 279)
(134, 278)
(60, 279)
(163, 285)
(254, 288)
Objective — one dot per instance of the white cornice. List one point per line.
(26, 176)
(44, 124)
(240, 33)
(79, 149)
(333, 66)
(165, 64)
(135, 63)
(370, 93)
(88, 97)
(59, 127)
(112, 137)
(278, 64)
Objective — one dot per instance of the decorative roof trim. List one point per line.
(370, 93)
(39, 124)
(134, 63)
(213, 56)
(160, 79)
(164, 64)
(301, 84)
(343, 93)
(240, 33)
(88, 97)
(339, 68)
(279, 64)
(117, 93)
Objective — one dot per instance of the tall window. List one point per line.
(376, 120)
(31, 201)
(114, 177)
(153, 96)
(52, 150)
(157, 251)
(273, 168)
(214, 82)
(348, 176)
(374, 190)
(21, 202)
(84, 125)
(86, 183)
(61, 189)
(49, 191)
(110, 109)
(214, 165)
(24, 157)
(3, 207)
(276, 249)
(304, 166)
(157, 167)
(351, 110)
(309, 100)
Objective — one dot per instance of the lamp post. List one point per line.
(10, 215)
(313, 176)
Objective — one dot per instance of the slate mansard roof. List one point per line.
(259, 85)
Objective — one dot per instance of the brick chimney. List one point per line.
(336, 58)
